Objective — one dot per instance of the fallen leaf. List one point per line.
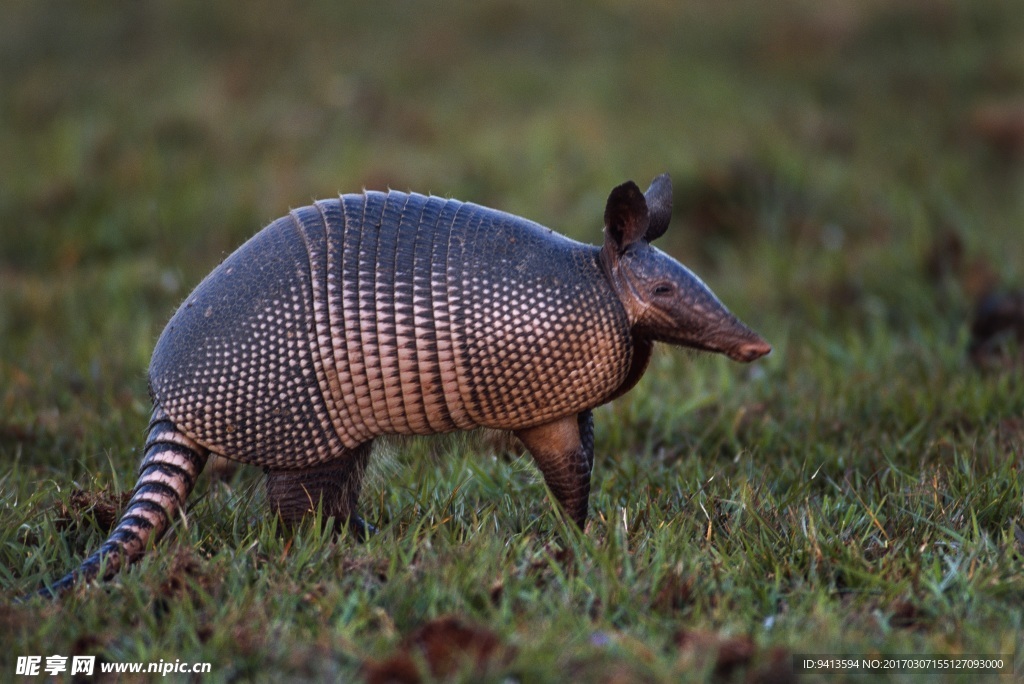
(729, 653)
(446, 645)
(104, 506)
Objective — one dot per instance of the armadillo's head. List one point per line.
(664, 300)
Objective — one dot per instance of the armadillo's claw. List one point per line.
(359, 528)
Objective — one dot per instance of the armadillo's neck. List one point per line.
(632, 301)
(642, 350)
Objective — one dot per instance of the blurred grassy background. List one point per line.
(849, 178)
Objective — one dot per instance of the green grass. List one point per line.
(857, 492)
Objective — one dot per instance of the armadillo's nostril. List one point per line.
(750, 351)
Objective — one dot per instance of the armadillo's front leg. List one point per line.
(334, 486)
(564, 452)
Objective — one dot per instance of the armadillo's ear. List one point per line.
(625, 218)
(659, 204)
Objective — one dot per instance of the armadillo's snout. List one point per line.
(749, 351)
(691, 316)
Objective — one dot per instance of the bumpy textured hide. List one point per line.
(388, 313)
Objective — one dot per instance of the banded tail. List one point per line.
(170, 465)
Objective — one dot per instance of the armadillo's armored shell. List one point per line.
(375, 314)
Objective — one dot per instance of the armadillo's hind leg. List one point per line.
(564, 452)
(171, 463)
(331, 487)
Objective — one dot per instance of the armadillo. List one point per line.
(397, 313)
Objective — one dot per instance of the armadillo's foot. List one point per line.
(332, 488)
(564, 452)
(359, 528)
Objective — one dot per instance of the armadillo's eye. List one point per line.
(663, 290)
